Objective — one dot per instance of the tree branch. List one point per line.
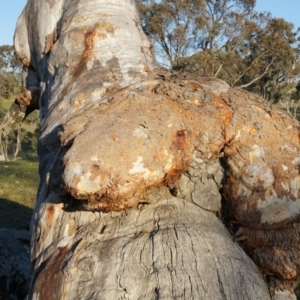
(250, 66)
(257, 78)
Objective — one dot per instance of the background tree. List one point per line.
(172, 26)
(8, 59)
(10, 86)
(228, 40)
(10, 72)
(181, 28)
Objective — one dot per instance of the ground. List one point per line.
(19, 178)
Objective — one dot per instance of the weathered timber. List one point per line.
(139, 166)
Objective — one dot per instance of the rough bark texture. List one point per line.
(136, 163)
(149, 253)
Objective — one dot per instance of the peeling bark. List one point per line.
(137, 163)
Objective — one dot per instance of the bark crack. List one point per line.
(196, 263)
(220, 283)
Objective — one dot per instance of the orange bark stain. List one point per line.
(110, 88)
(50, 38)
(89, 43)
(181, 160)
(87, 53)
(194, 85)
(220, 103)
(50, 215)
(47, 283)
(143, 232)
(253, 206)
(226, 118)
(253, 131)
(108, 27)
(180, 138)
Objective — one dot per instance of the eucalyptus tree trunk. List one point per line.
(141, 168)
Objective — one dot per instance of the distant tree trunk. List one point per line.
(139, 167)
(24, 104)
(11, 121)
(18, 142)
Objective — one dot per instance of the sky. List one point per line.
(10, 11)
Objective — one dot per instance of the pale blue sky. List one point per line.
(9, 13)
(10, 10)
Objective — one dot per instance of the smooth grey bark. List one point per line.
(134, 163)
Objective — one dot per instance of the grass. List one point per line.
(6, 103)
(18, 187)
(19, 178)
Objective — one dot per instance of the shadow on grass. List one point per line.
(31, 157)
(14, 215)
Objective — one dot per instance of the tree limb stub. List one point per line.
(134, 163)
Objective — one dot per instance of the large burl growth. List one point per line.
(136, 164)
(180, 123)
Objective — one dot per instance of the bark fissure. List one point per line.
(195, 261)
(221, 285)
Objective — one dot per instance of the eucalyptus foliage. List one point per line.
(227, 39)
